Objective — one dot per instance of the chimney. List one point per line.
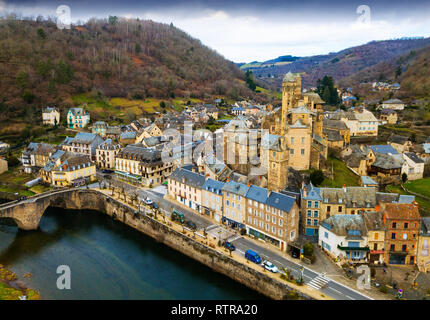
(305, 192)
(344, 188)
(303, 184)
(249, 184)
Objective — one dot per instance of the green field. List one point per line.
(421, 186)
(342, 175)
(424, 204)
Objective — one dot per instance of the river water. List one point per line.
(108, 260)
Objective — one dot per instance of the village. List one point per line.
(267, 173)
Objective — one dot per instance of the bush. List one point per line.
(317, 177)
(383, 289)
(308, 250)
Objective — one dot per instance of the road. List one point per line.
(313, 279)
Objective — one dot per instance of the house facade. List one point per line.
(212, 199)
(344, 237)
(51, 116)
(77, 118)
(76, 170)
(403, 225)
(423, 260)
(106, 153)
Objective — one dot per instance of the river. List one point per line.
(108, 260)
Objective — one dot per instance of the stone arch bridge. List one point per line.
(27, 213)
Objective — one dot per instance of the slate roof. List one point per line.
(188, 177)
(366, 180)
(413, 157)
(386, 161)
(128, 135)
(383, 197)
(312, 193)
(140, 153)
(334, 124)
(213, 186)
(340, 224)
(352, 197)
(393, 101)
(271, 142)
(398, 139)
(280, 201)
(85, 138)
(257, 194)
(425, 226)
(374, 221)
(332, 135)
(236, 188)
(385, 149)
(406, 199)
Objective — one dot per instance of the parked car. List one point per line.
(229, 246)
(270, 266)
(22, 198)
(191, 225)
(252, 256)
(148, 201)
(178, 216)
(294, 254)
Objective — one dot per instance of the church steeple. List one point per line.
(291, 93)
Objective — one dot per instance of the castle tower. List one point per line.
(277, 174)
(291, 93)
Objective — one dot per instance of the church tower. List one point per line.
(291, 93)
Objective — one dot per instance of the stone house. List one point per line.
(423, 257)
(83, 143)
(413, 166)
(388, 116)
(394, 104)
(272, 216)
(75, 170)
(375, 236)
(403, 225)
(212, 199)
(106, 153)
(138, 165)
(234, 204)
(400, 143)
(51, 116)
(186, 186)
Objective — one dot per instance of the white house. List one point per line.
(413, 166)
(393, 104)
(344, 237)
(50, 116)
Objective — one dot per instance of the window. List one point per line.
(316, 204)
(292, 140)
(405, 236)
(405, 226)
(309, 204)
(291, 151)
(326, 235)
(394, 225)
(393, 236)
(404, 248)
(392, 247)
(303, 140)
(280, 222)
(309, 213)
(302, 151)
(315, 222)
(328, 208)
(309, 222)
(339, 209)
(376, 237)
(315, 214)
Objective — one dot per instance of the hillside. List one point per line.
(341, 64)
(114, 57)
(411, 70)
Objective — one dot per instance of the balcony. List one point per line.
(352, 248)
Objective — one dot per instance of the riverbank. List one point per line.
(11, 288)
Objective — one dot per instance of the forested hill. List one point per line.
(41, 64)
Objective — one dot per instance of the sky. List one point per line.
(256, 30)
